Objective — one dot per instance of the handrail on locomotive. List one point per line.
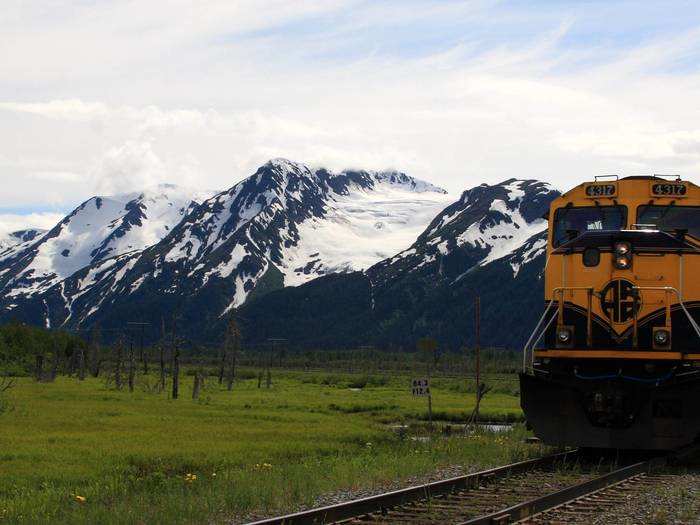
(528, 350)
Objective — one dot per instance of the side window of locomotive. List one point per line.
(570, 222)
(669, 218)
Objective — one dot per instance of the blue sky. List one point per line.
(112, 96)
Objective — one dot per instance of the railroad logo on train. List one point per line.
(617, 301)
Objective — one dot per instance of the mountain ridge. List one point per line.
(249, 233)
(352, 257)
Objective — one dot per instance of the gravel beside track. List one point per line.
(675, 499)
(668, 496)
(657, 499)
(349, 494)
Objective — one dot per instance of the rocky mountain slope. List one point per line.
(18, 240)
(99, 229)
(319, 258)
(165, 254)
(490, 243)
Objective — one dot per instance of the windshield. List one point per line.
(671, 217)
(587, 218)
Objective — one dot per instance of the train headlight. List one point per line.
(565, 336)
(662, 337)
(622, 263)
(623, 255)
(622, 248)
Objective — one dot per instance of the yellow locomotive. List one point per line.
(614, 361)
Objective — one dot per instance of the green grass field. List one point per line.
(80, 452)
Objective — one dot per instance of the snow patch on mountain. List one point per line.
(503, 228)
(227, 267)
(361, 228)
(487, 223)
(100, 228)
(531, 250)
(503, 236)
(11, 243)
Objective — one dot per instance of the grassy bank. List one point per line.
(81, 452)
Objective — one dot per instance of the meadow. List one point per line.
(82, 452)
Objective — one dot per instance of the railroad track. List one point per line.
(585, 509)
(537, 491)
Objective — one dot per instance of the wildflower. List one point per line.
(80, 499)
(190, 478)
(213, 474)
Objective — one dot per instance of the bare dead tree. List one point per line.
(197, 384)
(271, 356)
(132, 366)
(176, 371)
(81, 364)
(5, 384)
(161, 346)
(481, 390)
(144, 354)
(176, 363)
(72, 359)
(94, 352)
(39, 367)
(118, 364)
(222, 362)
(55, 361)
(232, 345)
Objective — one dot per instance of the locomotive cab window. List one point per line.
(671, 217)
(570, 222)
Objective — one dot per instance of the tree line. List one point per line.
(45, 354)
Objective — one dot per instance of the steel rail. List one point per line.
(530, 509)
(535, 506)
(384, 502)
(382, 506)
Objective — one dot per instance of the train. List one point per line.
(614, 361)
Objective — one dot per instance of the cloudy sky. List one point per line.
(105, 96)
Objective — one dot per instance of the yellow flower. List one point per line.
(80, 499)
(190, 478)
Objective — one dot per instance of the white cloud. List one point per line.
(55, 177)
(121, 95)
(71, 109)
(11, 222)
(128, 168)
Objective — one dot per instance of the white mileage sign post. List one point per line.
(421, 387)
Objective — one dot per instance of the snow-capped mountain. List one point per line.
(13, 241)
(314, 256)
(100, 228)
(284, 225)
(296, 223)
(491, 243)
(487, 223)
